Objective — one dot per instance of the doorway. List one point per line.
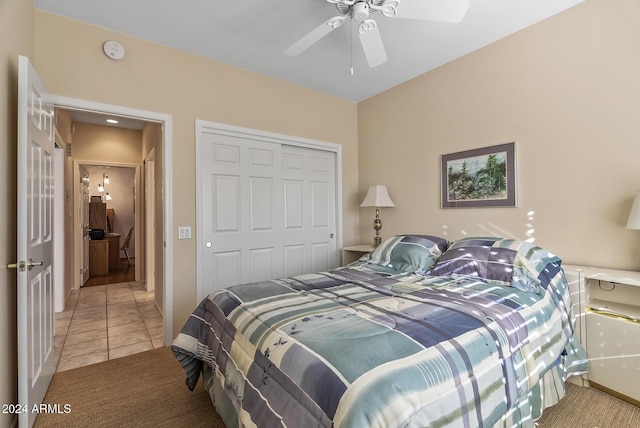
(111, 209)
(164, 288)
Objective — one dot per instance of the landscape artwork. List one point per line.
(479, 178)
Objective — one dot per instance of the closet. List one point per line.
(268, 206)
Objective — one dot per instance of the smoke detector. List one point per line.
(113, 50)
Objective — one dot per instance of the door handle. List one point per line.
(31, 264)
(21, 265)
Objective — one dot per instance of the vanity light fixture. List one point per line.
(112, 121)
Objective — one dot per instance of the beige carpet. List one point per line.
(147, 390)
(141, 390)
(588, 407)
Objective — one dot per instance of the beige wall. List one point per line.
(106, 144)
(17, 36)
(70, 62)
(567, 90)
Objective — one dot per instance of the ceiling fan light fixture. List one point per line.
(367, 25)
(389, 8)
(360, 11)
(335, 22)
(368, 31)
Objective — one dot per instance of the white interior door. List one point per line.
(267, 209)
(243, 202)
(35, 240)
(309, 210)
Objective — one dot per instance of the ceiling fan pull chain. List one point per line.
(351, 45)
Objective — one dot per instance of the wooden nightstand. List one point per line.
(352, 253)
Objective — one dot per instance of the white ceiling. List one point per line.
(252, 34)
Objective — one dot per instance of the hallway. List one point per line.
(104, 322)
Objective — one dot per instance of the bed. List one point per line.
(420, 332)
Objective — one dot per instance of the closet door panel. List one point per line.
(266, 209)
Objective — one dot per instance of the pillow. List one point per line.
(407, 253)
(508, 262)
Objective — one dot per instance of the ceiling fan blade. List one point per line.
(429, 10)
(372, 43)
(314, 35)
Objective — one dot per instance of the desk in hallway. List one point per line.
(114, 250)
(98, 257)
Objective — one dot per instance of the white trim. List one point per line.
(259, 135)
(167, 172)
(247, 133)
(59, 284)
(149, 215)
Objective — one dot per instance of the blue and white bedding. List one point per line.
(418, 333)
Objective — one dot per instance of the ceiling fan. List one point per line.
(360, 12)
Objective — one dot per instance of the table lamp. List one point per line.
(378, 196)
(634, 216)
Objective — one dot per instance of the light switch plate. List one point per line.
(184, 232)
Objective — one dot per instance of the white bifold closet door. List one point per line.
(268, 210)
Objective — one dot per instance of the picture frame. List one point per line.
(484, 177)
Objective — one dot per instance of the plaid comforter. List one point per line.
(354, 347)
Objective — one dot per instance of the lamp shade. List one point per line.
(378, 196)
(634, 216)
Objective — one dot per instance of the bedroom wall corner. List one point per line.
(567, 90)
(17, 20)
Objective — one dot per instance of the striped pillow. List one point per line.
(508, 262)
(407, 253)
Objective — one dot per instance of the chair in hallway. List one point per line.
(125, 246)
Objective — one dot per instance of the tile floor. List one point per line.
(105, 322)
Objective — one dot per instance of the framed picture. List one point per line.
(483, 177)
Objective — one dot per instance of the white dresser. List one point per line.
(607, 305)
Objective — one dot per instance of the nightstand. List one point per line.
(610, 330)
(354, 252)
